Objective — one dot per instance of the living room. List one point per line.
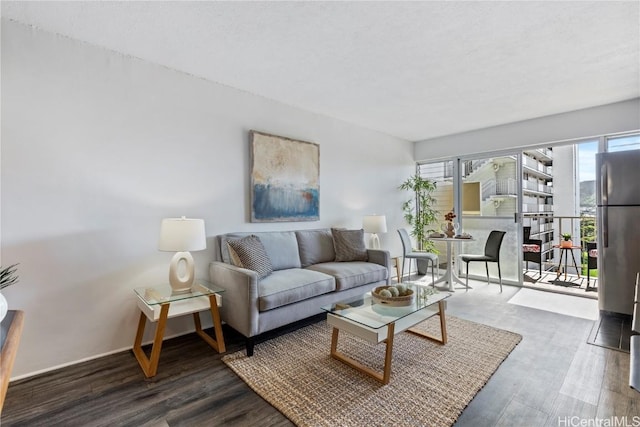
(98, 146)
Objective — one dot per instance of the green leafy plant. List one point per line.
(587, 229)
(8, 276)
(566, 236)
(419, 212)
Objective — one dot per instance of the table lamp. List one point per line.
(182, 235)
(374, 224)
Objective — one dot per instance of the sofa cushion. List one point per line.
(530, 247)
(281, 246)
(349, 245)
(351, 274)
(288, 286)
(315, 246)
(249, 253)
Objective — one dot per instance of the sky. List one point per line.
(587, 151)
(587, 160)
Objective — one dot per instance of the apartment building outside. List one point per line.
(550, 191)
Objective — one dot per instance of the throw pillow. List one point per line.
(349, 245)
(249, 253)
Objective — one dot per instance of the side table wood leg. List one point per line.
(398, 274)
(150, 365)
(218, 343)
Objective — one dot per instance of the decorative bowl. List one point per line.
(398, 301)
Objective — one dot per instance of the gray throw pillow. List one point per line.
(249, 253)
(349, 245)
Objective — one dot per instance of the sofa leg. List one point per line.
(249, 346)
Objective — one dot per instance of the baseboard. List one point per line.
(98, 356)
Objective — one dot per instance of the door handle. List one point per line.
(605, 226)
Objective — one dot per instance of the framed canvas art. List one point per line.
(285, 179)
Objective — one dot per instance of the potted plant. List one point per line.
(419, 213)
(8, 277)
(566, 240)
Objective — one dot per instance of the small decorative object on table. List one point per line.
(566, 240)
(396, 296)
(425, 292)
(448, 227)
(8, 277)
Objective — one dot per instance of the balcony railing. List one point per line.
(543, 224)
(499, 187)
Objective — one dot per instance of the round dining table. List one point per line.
(450, 275)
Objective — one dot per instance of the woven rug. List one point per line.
(431, 384)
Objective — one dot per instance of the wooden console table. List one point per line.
(9, 340)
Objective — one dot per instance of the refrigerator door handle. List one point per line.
(604, 187)
(605, 226)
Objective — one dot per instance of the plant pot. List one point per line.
(566, 243)
(423, 266)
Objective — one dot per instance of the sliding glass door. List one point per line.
(489, 199)
(485, 194)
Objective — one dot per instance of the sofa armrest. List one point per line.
(240, 298)
(383, 258)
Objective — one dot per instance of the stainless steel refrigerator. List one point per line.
(618, 217)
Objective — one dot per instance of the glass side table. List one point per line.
(157, 303)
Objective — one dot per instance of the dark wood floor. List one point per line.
(552, 373)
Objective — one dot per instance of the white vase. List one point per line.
(4, 307)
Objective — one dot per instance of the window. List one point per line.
(623, 143)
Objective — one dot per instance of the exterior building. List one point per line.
(490, 189)
(538, 201)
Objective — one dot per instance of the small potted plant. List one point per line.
(420, 214)
(566, 240)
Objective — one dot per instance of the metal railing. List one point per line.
(553, 226)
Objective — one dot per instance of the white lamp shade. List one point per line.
(374, 224)
(182, 234)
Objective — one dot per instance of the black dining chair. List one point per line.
(491, 254)
(408, 252)
(592, 263)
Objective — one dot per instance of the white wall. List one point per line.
(97, 148)
(606, 119)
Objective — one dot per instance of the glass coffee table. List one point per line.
(375, 323)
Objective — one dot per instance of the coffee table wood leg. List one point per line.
(382, 377)
(388, 356)
(150, 365)
(443, 327)
(218, 343)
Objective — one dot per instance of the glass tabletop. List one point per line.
(163, 294)
(366, 311)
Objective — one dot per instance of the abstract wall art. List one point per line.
(285, 179)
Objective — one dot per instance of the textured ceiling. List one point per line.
(414, 70)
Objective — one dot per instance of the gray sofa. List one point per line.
(305, 277)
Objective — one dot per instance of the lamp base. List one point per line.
(181, 284)
(374, 241)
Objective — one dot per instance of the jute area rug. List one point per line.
(431, 384)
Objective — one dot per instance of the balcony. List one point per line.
(573, 285)
(549, 228)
